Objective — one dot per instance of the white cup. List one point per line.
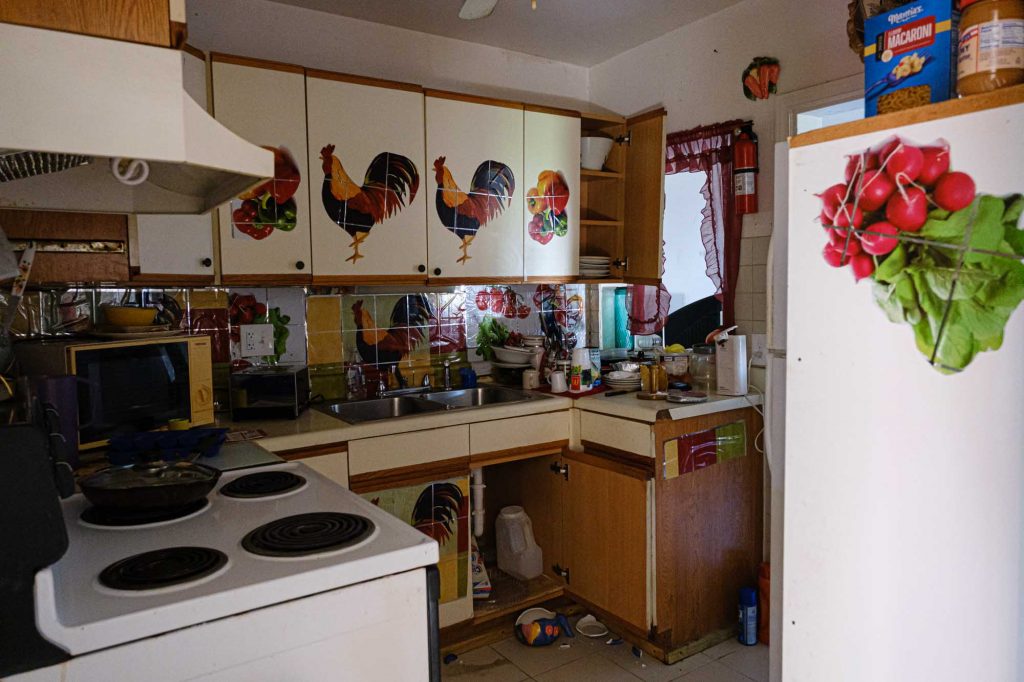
(557, 380)
(531, 379)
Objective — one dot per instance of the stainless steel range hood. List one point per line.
(116, 106)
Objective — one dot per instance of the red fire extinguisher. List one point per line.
(744, 172)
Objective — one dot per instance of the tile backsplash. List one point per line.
(415, 329)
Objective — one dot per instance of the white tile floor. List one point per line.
(593, 661)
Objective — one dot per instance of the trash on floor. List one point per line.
(540, 627)
(589, 626)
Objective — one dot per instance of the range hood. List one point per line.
(78, 108)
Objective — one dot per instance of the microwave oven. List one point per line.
(128, 386)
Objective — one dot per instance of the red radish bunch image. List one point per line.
(941, 256)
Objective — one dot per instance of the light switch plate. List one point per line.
(759, 349)
(257, 340)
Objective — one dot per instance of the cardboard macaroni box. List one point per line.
(910, 56)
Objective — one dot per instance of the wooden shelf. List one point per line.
(509, 595)
(587, 174)
(603, 280)
(602, 222)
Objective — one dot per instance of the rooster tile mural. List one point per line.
(366, 149)
(474, 228)
(464, 214)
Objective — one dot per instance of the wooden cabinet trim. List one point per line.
(555, 111)
(900, 119)
(513, 454)
(453, 281)
(169, 279)
(194, 51)
(646, 116)
(347, 280)
(475, 99)
(619, 461)
(409, 475)
(362, 80)
(257, 63)
(267, 280)
(551, 279)
(314, 451)
(136, 21)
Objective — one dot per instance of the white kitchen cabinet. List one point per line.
(176, 245)
(551, 194)
(268, 240)
(333, 465)
(474, 229)
(365, 135)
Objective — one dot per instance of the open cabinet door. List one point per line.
(645, 197)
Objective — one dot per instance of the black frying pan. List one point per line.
(149, 487)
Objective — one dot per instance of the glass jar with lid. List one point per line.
(991, 53)
(676, 365)
(703, 368)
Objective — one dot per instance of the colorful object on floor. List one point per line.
(271, 205)
(761, 78)
(692, 451)
(490, 193)
(546, 203)
(540, 627)
(390, 184)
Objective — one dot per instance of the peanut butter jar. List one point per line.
(991, 54)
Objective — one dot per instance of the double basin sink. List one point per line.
(357, 412)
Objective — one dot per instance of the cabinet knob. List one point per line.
(206, 262)
(437, 271)
(299, 265)
(422, 268)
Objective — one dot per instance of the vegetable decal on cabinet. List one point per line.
(390, 184)
(271, 205)
(547, 204)
(490, 193)
(439, 510)
(941, 256)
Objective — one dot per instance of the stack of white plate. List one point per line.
(595, 267)
(532, 341)
(622, 381)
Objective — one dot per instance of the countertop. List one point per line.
(629, 406)
(314, 428)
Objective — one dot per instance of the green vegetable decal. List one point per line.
(271, 205)
(942, 258)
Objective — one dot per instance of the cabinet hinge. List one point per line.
(561, 468)
(624, 139)
(621, 263)
(563, 572)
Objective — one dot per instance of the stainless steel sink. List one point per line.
(382, 408)
(478, 397)
(360, 411)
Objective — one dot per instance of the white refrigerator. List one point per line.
(904, 398)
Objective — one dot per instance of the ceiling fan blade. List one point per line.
(477, 9)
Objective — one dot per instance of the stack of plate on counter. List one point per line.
(595, 267)
(622, 381)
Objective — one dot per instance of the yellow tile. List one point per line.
(208, 298)
(323, 313)
(324, 347)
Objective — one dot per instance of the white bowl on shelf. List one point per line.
(593, 152)
(514, 355)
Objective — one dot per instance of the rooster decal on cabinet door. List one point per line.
(390, 184)
(490, 193)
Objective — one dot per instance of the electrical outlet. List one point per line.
(759, 349)
(257, 340)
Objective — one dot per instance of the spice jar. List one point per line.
(991, 54)
(676, 365)
(703, 368)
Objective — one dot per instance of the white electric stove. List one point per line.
(279, 574)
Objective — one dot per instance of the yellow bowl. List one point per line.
(127, 316)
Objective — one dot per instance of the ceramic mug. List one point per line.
(558, 384)
(531, 379)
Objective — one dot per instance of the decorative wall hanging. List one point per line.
(390, 184)
(760, 78)
(490, 193)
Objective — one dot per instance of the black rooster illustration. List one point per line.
(437, 511)
(490, 193)
(409, 317)
(357, 208)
